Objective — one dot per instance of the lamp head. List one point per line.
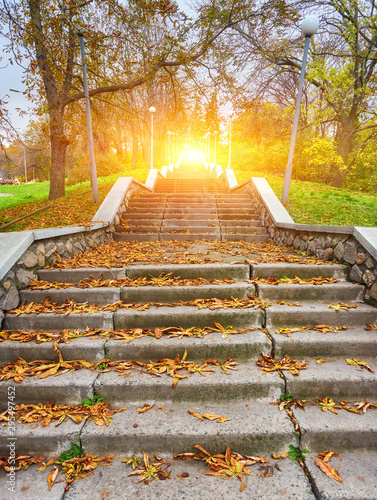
(310, 25)
(152, 109)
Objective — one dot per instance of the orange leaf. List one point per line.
(146, 408)
(243, 486)
(328, 470)
(52, 476)
(194, 414)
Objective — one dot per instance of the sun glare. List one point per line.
(193, 154)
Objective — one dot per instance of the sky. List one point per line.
(11, 78)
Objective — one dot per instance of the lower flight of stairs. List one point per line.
(244, 395)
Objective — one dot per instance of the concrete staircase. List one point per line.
(186, 208)
(244, 396)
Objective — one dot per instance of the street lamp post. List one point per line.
(169, 134)
(309, 27)
(25, 165)
(230, 114)
(152, 110)
(92, 162)
(214, 151)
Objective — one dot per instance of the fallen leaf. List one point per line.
(328, 470)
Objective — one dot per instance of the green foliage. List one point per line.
(296, 454)
(74, 452)
(88, 402)
(285, 397)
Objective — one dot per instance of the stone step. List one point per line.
(140, 222)
(237, 272)
(344, 432)
(189, 237)
(141, 229)
(291, 480)
(95, 295)
(195, 229)
(90, 349)
(186, 317)
(234, 205)
(208, 197)
(258, 238)
(351, 343)
(145, 204)
(51, 322)
(240, 346)
(335, 379)
(357, 470)
(248, 209)
(342, 291)
(237, 216)
(191, 216)
(260, 429)
(76, 275)
(189, 223)
(239, 223)
(243, 230)
(193, 210)
(141, 295)
(311, 314)
(189, 204)
(281, 270)
(68, 388)
(244, 384)
(142, 215)
(145, 210)
(136, 237)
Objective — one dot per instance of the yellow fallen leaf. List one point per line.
(52, 476)
(145, 408)
(243, 486)
(194, 414)
(218, 418)
(328, 470)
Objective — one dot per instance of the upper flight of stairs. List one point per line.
(191, 209)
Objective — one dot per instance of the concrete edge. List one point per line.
(276, 210)
(218, 170)
(12, 246)
(231, 178)
(367, 236)
(152, 178)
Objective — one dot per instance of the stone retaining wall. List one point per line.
(44, 251)
(339, 245)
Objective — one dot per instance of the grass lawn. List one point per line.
(309, 202)
(314, 203)
(77, 208)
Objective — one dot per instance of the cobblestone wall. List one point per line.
(340, 246)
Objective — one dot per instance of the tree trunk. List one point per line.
(344, 149)
(59, 145)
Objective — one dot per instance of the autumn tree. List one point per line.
(121, 54)
(341, 76)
